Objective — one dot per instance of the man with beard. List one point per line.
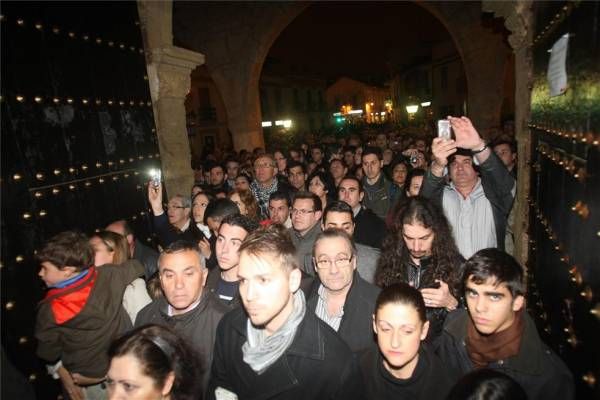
(421, 252)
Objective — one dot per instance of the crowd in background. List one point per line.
(372, 266)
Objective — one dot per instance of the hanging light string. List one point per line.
(86, 37)
(576, 166)
(588, 138)
(559, 17)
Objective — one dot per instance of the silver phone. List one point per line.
(444, 129)
(155, 175)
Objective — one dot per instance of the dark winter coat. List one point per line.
(370, 229)
(318, 365)
(540, 372)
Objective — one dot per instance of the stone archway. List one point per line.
(236, 49)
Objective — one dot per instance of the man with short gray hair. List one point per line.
(185, 307)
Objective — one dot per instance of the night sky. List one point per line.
(361, 40)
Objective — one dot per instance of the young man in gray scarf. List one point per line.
(272, 348)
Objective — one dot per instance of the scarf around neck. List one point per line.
(485, 349)
(261, 351)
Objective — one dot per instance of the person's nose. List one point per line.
(179, 282)
(395, 341)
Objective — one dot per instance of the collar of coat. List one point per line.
(526, 361)
(308, 342)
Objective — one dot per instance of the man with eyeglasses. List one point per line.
(265, 182)
(175, 224)
(340, 297)
(338, 215)
(306, 215)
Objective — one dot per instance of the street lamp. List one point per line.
(412, 109)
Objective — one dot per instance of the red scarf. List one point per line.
(485, 349)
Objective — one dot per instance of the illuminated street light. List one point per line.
(287, 123)
(267, 124)
(426, 104)
(412, 109)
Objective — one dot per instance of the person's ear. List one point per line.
(318, 214)
(518, 303)
(166, 389)
(425, 330)
(295, 280)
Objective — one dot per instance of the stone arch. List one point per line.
(236, 38)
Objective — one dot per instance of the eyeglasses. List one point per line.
(301, 212)
(173, 207)
(341, 262)
(264, 165)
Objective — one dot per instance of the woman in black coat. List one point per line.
(400, 367)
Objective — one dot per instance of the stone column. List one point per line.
(169, 70)
(239, 89)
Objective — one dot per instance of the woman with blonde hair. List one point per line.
(112, 248)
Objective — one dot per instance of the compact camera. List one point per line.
(444, 129)
(155, 176)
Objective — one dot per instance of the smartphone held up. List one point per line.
(444, 129)
(155, 177)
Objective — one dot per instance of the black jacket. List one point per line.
(540, 372)
(370, 229)
(148, 257)
(430, 379)
(168, 234)
(212, 283)
(318, 365)
(198, 326)
(356, 328)
(497, 185)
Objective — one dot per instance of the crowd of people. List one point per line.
(371, 268)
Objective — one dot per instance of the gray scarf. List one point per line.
(261, 351)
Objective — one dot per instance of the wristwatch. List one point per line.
(477, 151)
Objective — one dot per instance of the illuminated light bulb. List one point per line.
(19, 258)
(38, 195)
(39, 176)
(98, 101)
(26, 215)
(1, 17)
(157, 155)
(38, 26)
(70, 101)
(20, 22)
(142, 213)
(145, 77)
(98, 165)
(55, 191)
(56, 100)
(101, 180)
(126, 175)
(134, 217)
(136, 173)
(86, 37)
(98, 40)
(72, 187)
(121, 46)
(141, 51)
(57, 172)
(32, 377)
(110, 163)
(115, 178)
(72, 35)
(141, 104)
(132, 48)
(88, 184)
(131, 102)
(84, 101)
(17, 177)
(140, 157)
(121, 103)
(131, 160)
(22, 340)
(84, 167)
(149, 104)
(111, 43)
(20, 98)
(37, 99)
(110, 102)
(121, 161)
(42, 213)
(9, 305)
(150, 156)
